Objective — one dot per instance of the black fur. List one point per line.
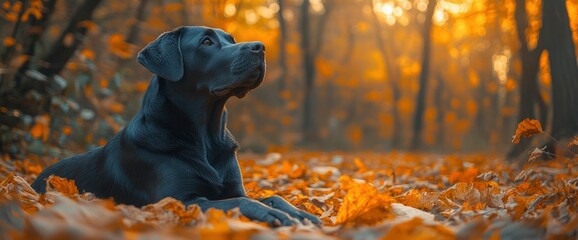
(178, 145)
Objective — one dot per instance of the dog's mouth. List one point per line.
(241, 88)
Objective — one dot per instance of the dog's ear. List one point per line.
(163, 56)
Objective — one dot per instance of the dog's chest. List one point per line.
(209, 178)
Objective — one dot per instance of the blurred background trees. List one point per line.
(445, 75)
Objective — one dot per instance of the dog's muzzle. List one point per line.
(250, 66)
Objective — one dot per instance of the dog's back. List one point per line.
(82, 168)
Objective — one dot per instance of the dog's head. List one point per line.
(206, 60)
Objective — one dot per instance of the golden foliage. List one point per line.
(416, 229)
(363, 205)
(345, 191)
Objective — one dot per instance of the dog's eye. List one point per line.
(207, 42)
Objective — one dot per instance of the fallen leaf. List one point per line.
(364, 205)
(61, 185)
(536, 154)
(416, 229)
(527, 128)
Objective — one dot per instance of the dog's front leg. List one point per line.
(278, 202)
(252, 209)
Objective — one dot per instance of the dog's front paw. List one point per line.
(257, 211)
(280, 203)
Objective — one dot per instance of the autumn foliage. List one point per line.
(365, 60)
(389, 196)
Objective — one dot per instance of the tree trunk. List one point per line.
(529, 92)
(563, 68)
(282, 45)
(423, 77)
(133, 34)
(440, 102)
(69, 40)
(309, 53)
(308, 70)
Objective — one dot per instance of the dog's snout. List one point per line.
(256, 47)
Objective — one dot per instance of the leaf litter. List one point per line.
(359, 196)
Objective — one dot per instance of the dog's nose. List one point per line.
(256, 47)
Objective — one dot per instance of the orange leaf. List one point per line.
(527, 128)
(87, 53)
(119, 47)
(360, 165)
(323, 67)
(61, 185)
(67, 130)
(416, 229)
(41, 127)
(185, 214)
(364, 205)
(117, 108)
(141, 87)
(9, 41)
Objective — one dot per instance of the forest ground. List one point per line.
(357, 195)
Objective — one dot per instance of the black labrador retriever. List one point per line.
(178, 144)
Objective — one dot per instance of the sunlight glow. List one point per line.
(266, 12)
(440, 17)
(317, 6)
(421, 5)
(392, 13)
(397, 11)
(230, 10)
(501, 65)
(455, 8)
(274, 7)
(251, 17)
(387, 9)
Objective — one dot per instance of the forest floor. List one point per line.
(357, 195)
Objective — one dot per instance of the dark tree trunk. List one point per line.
(440, 102)
(140, 17)
(10, 89)
(529, 92)
(563, 68)
(11, 50)
(35, 32)
(282, 45)
(310, 52)
(308, 70)
(416, 141)
(63, 49)
(133, 34)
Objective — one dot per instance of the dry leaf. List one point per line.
(536, 154)
(61, 185)
(364, 205)
(527, 128)
(416, 229)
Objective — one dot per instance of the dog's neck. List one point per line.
(196, 119)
